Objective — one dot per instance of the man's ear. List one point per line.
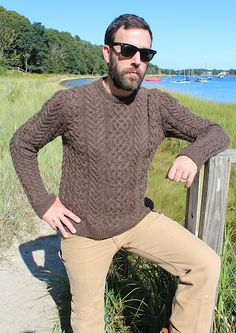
(106, 53)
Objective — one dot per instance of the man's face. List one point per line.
(127, 73)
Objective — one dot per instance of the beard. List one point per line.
(122, 78)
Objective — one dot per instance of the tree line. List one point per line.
(33, 48)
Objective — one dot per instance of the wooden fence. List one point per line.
(207, 200)
(15, 69)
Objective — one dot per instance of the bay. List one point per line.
(215, 89)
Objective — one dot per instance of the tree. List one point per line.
(34, 47)
(57, 54)
(12, 28)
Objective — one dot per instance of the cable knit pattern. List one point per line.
(108, 145)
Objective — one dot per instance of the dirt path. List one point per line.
(26, 272)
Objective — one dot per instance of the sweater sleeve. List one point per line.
(42, 128)
(207, 138)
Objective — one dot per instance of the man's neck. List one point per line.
(113, 90)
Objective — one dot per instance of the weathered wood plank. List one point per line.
(193, 204)
(229, 153)
(214, 201)
(207, 199)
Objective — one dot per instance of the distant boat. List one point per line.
(152, 78)
(221, 75)
(185, 80)
(201, 80)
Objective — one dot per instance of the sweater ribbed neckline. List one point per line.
(112, 98)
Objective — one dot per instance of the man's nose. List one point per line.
(136, 58)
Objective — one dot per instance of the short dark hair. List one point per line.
(127, 21)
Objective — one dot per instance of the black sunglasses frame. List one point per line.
(146, 55)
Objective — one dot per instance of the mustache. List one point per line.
(133, 70)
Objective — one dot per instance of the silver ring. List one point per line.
(183, 180)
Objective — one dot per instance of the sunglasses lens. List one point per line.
(128, 50)
(146, 55)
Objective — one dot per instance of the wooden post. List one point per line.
(194, 201)
(207, 200)
(214, 201)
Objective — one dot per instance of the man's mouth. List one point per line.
(134, 73)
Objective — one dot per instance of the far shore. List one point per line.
(148, 75)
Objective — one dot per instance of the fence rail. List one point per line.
(17, 69)
(207, 199)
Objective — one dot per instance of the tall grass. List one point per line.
(138, 294)
(225, 316)
(20, 98)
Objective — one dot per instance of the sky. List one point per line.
(187, 33)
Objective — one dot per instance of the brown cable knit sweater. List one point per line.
(108, 145)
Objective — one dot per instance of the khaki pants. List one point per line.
(160, 240)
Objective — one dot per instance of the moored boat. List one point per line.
(152, 78)
(185, 80)
(200, 80)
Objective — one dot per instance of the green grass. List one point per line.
(225, 315)
(142, 297)
(20, 98)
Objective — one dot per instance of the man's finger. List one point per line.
(178, 175)
(68, 224)
(171, 173)
(189, 180)
(52, 224)
(184, 177)
(71, 215)
(60, 227)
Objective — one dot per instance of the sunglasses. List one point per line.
(128, 51)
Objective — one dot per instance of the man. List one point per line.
(111, 129)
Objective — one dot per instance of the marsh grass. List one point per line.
(138, 294)
(225, 315)
(146, 289)
(20, 98)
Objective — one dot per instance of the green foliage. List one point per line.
(12, 27)
(2, 71)
(20, 98)
(145, 291)
(34, 48)
(59, 50)
(225, 316)
(152, 69)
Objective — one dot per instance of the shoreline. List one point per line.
(77, 78)
(150, 85)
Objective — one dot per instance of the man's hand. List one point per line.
(56, 218)
(183, 170)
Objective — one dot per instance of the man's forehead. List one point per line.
(133, 35)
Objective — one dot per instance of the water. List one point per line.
(220, 90)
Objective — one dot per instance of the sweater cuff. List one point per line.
(42, 207)
(195, 155)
